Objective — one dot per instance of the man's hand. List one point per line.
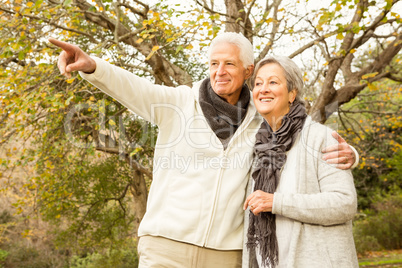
(340, 153)
(72, 58)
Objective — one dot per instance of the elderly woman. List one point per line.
(301, 207)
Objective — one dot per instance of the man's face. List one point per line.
(227, 72)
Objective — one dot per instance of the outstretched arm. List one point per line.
(72, 58)
(341, 154)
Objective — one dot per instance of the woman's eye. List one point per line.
(272, 82)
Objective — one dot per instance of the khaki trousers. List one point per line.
(155, 251)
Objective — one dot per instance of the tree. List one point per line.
(68, 131)
(372, 123)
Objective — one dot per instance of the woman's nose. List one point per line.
(264, 88)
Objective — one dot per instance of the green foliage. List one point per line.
(365, 243)
(5, 217)
(124, 257)
(21, 255)
(93, 197)
(395, 163)
(3, 256)
(372, 123)
(381, 226)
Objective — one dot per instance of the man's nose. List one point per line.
(221, 69)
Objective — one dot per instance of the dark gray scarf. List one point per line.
(223, 117)
(270, 153)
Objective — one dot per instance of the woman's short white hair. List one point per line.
(237, 39)
(293, 74)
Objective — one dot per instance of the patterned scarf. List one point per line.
(223, 117)
(270, 152)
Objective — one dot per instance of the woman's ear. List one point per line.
(292, 95)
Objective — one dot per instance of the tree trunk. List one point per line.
(140, 194)
(237, 20)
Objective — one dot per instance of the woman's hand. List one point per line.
(259, 201)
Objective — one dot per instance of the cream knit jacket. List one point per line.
(322, 208)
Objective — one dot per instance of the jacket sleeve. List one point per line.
(138, 94)
(327, 195)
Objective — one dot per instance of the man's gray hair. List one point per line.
(293, 74)
(237, 39)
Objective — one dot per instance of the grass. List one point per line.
(382, 259)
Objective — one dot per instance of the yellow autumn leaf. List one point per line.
(155, 48)
(139, 41)
(369, 75)
(29, 4)
(136, 150)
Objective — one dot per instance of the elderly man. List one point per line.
(194, 216)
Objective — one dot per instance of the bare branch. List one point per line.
(146, 7)
(352, 126)
(312, 43)
(139, 68)
(130, 34)
(359, 12)
(274, 31)
(210, 10)
(249, 9)
(142, 13)
(384, 57)
(395, 78)
(367, 111)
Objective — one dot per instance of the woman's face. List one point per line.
(270, 94)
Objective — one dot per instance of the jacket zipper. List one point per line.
(206, 237)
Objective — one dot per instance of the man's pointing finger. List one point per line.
(63, 45)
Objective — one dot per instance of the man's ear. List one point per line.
(249, 71)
